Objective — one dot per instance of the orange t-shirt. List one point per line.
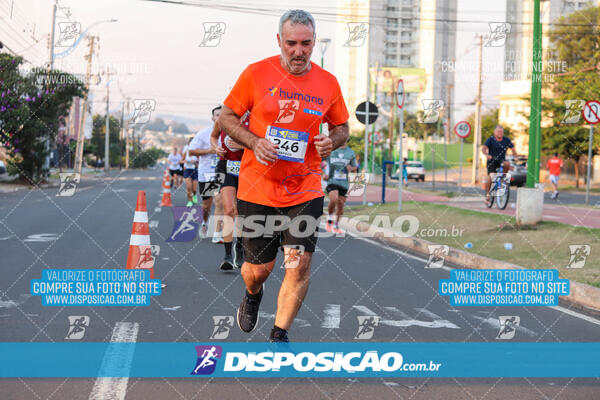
(554, 165)
(278, 99)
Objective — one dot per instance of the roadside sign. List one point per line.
(462, 129)
(361, 113)
(591, 112)
(400, 94)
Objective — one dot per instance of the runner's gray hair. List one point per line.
(297, 17)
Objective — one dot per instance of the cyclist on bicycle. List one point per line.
(494, 149)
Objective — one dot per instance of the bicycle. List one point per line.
(499, 190)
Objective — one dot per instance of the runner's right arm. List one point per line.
(264, 151)
(214, 140)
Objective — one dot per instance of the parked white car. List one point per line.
(415, 170)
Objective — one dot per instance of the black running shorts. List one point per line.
(261, 242)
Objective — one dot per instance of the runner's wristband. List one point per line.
(228, 143)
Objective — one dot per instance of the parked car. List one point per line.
(518, 171)
(414, 170)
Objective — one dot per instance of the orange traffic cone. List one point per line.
(140, 252)
(166, 196)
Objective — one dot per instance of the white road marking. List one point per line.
(116, 359)
(174, 308)
(437, 322)
(576, 314)
(396, 312)
(41, 237)
(13, 303)
(553, 217)
(495, 323)
(157, 209)
(6, 237)
(153, 224)
(301, 322)
(424, 260)
(332, 316)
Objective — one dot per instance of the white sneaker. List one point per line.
(217, 238)
(203, 231)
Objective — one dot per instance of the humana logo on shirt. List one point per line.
(297, 96)
(317, 362)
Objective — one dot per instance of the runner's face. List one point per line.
(296, 42)
(499, 133)
(216, 114)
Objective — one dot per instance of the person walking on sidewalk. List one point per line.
(288, 97)
(554, 165)
(339, 163)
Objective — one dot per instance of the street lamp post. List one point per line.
(323, 44)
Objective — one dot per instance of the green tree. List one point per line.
(179, 127)
(417, 129)
(98, 138)
(32, 107)
(148, 157)
(158, 124)
(576, 43)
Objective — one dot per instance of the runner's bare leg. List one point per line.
(333, 199)
(340, 208)
(255, 275)
(292, 292)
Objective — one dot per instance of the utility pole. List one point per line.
(391, 124)
(80, 133)
(477, 138)
(373, 127)
(50, 67)
(107, 133)
(447, 130)
(51, 64)
(533, 162)
(122, 132)
(127, 138)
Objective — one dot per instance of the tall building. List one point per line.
(516, 86)
(410, 38)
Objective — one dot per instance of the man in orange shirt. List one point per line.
(554, 165)
(288, 97)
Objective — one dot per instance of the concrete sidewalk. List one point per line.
(576, 216)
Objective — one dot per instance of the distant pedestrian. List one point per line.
(404, 172)
(554, 165)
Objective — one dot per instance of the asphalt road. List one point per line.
(351, 277)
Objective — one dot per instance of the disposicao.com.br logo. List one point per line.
(316, 363)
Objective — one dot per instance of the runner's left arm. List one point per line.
(352, 165)
(338, 135)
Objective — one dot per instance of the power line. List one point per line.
(373, 14)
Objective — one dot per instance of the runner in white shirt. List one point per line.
(208, 182)
(190, 174)
(175, 168)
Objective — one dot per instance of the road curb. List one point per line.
(581, 294)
